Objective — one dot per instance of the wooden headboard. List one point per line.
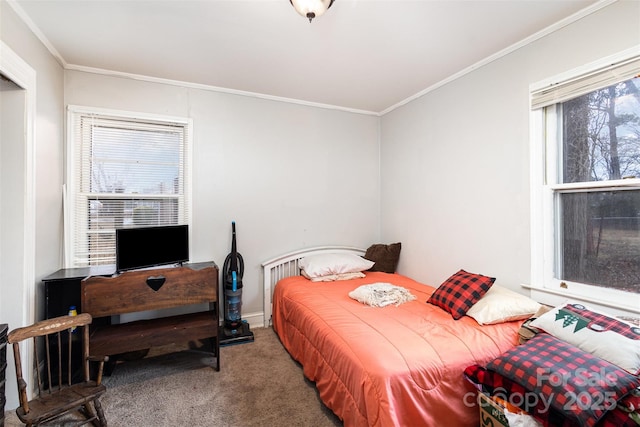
(287, 265)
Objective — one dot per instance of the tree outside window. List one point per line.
(598, 228)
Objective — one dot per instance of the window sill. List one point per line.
(555, 297)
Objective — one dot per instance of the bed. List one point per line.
(379, 366)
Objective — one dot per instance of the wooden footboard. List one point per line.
(286, 265)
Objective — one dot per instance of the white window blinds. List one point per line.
(126, 172)
(596, 79)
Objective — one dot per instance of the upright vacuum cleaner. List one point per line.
(234, 330)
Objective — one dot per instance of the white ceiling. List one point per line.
(366, 55)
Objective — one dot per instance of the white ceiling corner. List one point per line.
(367, 56)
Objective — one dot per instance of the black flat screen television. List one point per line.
(151, 246)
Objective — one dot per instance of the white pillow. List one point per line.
(595, 332)
(335, 277)
(502, 305)
(331, 264)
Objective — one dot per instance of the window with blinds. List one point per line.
(125, 171)
(584, 83)
(586, 183)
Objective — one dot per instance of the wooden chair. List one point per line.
(57, 393)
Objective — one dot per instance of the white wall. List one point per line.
(12, 214)
(38, 162)
(455, 162)
(49, 148)
(291, 176)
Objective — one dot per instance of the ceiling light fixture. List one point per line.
(311, 8)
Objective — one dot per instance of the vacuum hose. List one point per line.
(233, 278)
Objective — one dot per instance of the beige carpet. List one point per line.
(258, 385)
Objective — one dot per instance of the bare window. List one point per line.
(600, 242)
(598, 226)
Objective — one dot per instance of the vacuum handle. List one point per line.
(234, 251)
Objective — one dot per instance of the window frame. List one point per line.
(545, 186)
(73, 163)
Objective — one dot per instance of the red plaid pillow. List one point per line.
(575, 382)
(495, 384)
(459, 292)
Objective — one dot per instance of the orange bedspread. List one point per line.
(390, 366)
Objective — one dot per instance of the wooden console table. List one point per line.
(155, 289)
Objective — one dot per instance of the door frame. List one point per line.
(17, 70)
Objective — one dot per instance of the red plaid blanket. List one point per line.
(561, 385)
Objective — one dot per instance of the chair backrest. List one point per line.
(54, 342)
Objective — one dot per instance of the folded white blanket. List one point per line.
(381, 294)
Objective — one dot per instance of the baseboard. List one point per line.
(255, 320)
